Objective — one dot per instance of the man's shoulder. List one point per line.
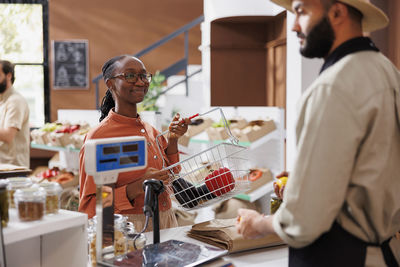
(16, 97)
(358, 70)
(360, 64)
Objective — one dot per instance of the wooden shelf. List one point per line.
(54, 148)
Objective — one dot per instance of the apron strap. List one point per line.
(388, 255)
(396, 106)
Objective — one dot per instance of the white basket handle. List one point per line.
(232, 139)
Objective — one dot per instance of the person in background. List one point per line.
(128, 81)
(341, 205)
(14, 120)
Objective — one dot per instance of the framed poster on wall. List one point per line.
(70, 64)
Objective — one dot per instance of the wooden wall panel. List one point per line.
(394, 32)
(120, 27)
(238, 77)
(255, 46)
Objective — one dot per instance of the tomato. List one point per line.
(220, 181)
(255, 174)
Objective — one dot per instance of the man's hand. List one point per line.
(279, 189)
(252, 224)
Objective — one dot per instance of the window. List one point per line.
(24, 39)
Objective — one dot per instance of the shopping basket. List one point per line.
(217, 173)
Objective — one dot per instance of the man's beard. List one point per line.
(319, 41)
(3, 86)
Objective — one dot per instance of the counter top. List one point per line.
(264, 257)
(17, 230)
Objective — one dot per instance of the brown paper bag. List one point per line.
(222, 233)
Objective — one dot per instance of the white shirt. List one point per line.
(348, 162)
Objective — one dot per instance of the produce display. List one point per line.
(61, 134)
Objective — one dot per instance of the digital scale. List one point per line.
(104, 160)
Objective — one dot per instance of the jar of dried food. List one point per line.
(135, 241)
(30, 203)
(53, 191)
(275, 203)
(119, 237)
(3, 203)
(91, 231)
(14, 184)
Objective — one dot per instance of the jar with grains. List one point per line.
(275, 203)
(120, 246)
(134, 240)
(30, 203)
(91, 231)
(4, 203)
(14, 184)
(53, 192)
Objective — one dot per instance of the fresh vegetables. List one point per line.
(220, 181)
(255, 174)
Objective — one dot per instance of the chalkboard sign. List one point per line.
(70, 61)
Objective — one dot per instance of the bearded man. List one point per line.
(341, 204)
(14, 120)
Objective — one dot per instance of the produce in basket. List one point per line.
(188, 195)
(220, 181)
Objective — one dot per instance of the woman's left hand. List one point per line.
(178, 127)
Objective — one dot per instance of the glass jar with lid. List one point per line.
(53, 191)
(135, 240)
(119, 236)
(30, 203)
(91, 231)
(14, 184)
(275, 203)
(4, 202)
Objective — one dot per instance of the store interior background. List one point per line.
(128, 26)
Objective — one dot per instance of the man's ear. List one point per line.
(9, 77)
(337, 13)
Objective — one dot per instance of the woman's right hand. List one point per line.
(153, 173)
(135, 188)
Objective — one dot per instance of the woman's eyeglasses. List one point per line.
(131, 77)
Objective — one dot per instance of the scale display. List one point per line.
(109, 156)
(118, 156)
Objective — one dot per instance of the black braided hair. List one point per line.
(108, 102)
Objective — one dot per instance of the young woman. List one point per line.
(128, 82)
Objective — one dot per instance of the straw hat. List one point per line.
(373, 18)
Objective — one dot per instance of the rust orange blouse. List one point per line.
(115, 125)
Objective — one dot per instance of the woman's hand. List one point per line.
(178, 127)
(135, 188)
(107, 196)
(153, 173)
(252, 224)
